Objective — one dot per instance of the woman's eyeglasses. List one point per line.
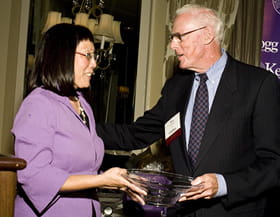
(89, 56)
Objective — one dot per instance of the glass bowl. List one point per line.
(163, 188)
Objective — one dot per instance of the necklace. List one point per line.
(82, 112)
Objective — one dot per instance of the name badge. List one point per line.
(172, 128)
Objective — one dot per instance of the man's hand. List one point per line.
(208, 188)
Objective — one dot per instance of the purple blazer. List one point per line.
(52, 138)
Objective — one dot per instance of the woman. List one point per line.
(55, 133)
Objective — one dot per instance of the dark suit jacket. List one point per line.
(241, 140)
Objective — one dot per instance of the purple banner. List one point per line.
(270, 54)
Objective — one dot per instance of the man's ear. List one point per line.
(208, 35)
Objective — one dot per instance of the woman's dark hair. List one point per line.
(54, 59)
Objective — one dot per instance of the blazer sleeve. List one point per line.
(140, 134)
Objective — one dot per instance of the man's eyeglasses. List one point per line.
(89, 56)
(178, 36)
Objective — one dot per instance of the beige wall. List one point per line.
(13, 37)
(157, 50)
(152, 44)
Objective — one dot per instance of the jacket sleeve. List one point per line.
(34, 129)
(142, 133)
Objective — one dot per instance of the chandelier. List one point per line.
(105, 29)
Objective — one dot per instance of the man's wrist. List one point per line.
(222, 186)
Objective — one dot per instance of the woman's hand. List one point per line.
(114, 178)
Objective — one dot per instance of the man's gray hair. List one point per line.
(205, 16)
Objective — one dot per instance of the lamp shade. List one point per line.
(81, 19)
(92, 25)
(53, 18)
(105, 28)
(66, 20)
(117, 32)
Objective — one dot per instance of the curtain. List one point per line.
(245, 42)
(243, 28)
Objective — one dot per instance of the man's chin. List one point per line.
(182, 65)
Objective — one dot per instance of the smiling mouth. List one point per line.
(89, 74)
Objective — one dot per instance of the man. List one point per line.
(237, 159)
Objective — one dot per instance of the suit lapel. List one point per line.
(221, 108)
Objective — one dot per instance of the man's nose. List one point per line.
(173, 44)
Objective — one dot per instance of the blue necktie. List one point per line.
(199, 118)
